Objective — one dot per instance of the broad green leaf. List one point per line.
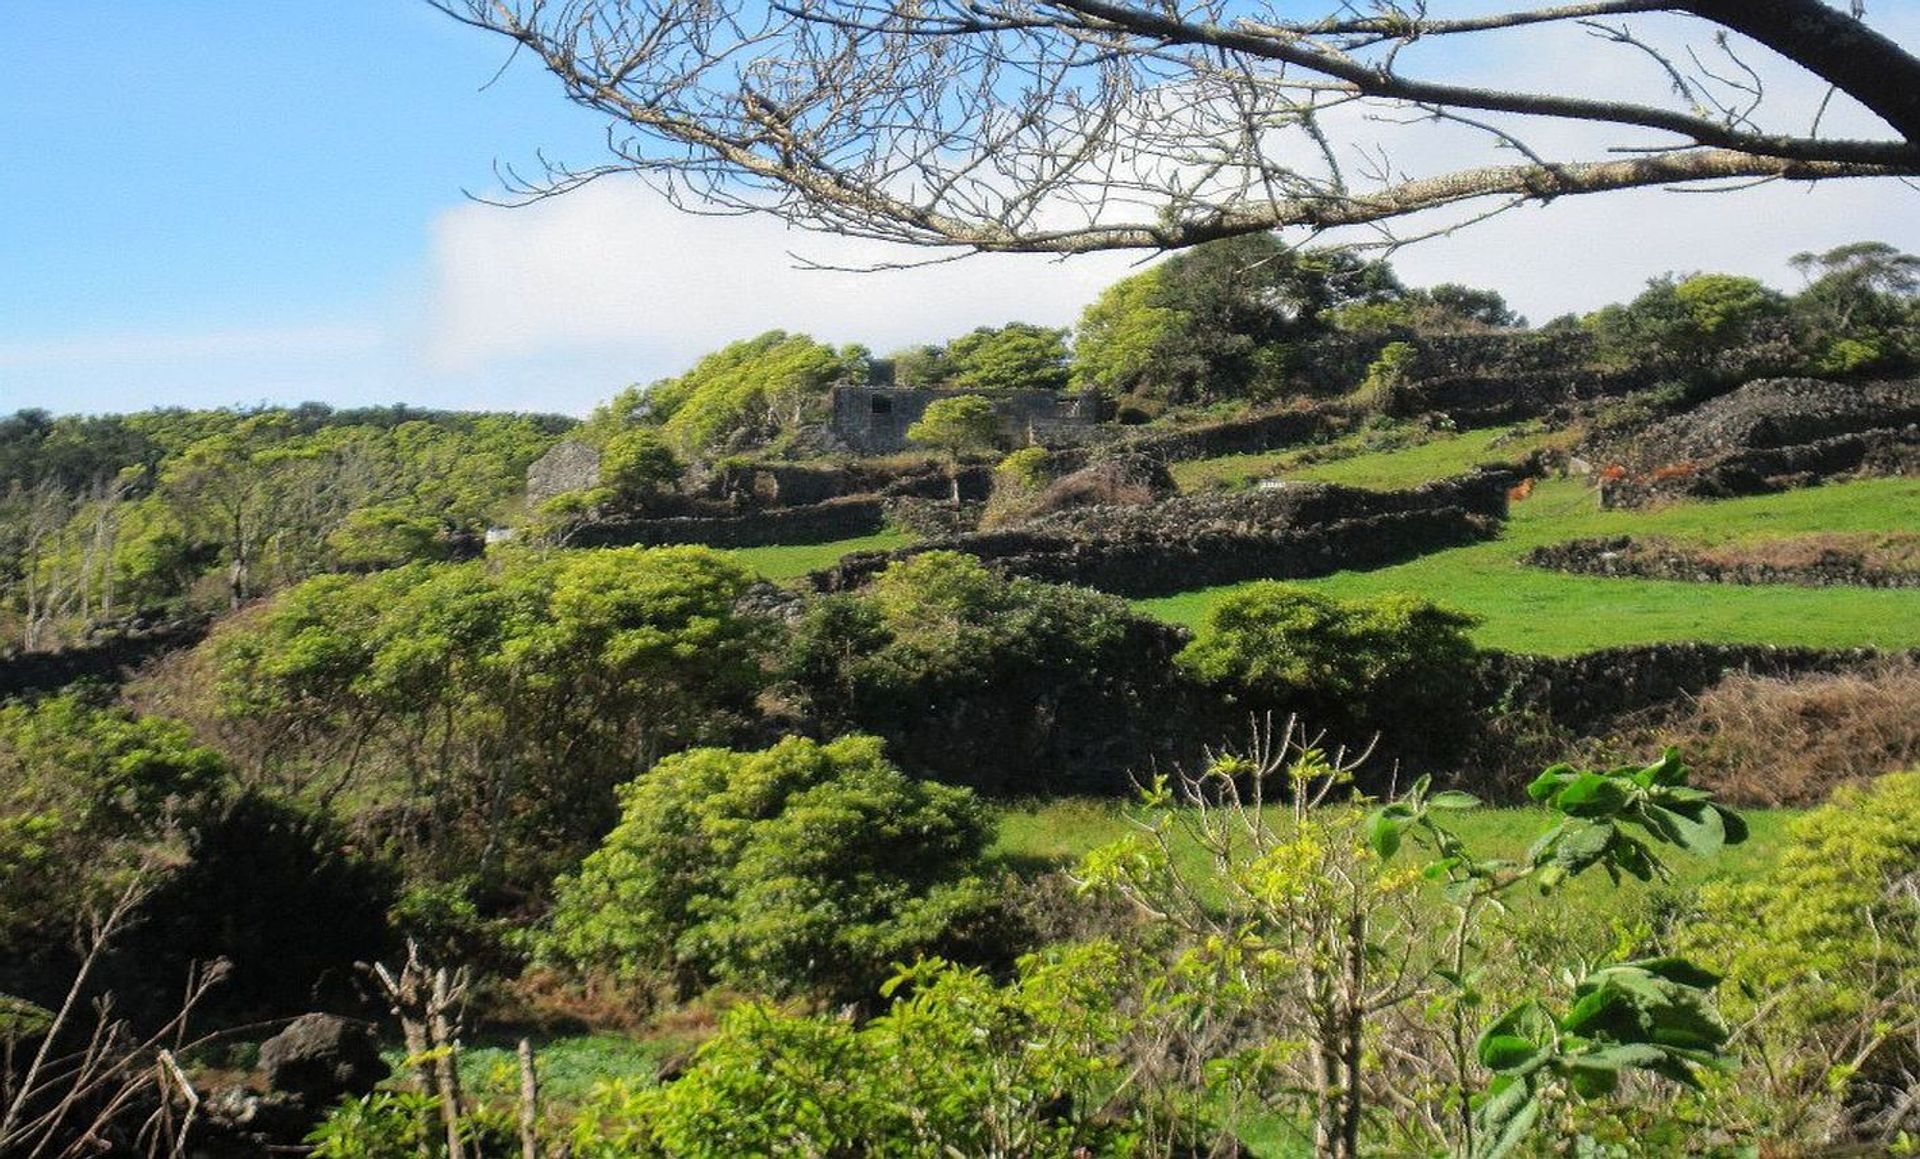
(1592, 1082)
(1508, 1052)
(1548, 783)
(1591, 795)
(1383, 834)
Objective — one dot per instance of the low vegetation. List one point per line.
(1525, 609)
(956, 863)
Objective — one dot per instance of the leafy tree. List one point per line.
(484, 711)
(1684, 323)
(87, 796)
(1213, 322)
(920, 366)
(805, 867)
(747, 393)
(1860, 309)
(1017, 356)
(960, 426)
(637, 463)
(1448, 308)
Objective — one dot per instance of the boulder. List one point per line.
(321, 1057)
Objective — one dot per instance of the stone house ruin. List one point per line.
(873, 420)
(570, 465)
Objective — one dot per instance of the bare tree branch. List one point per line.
(1066, 126)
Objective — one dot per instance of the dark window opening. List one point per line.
(883, 406)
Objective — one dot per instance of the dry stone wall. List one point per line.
(818, 523)
(1199, 541)
(1625, 557)
(1586, 694)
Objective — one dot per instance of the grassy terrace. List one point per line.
(1387, 470)
(791, 561)
(1532, 610)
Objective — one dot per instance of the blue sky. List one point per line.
(225, 204)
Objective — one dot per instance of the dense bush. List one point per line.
(1013, 687)
(1394, 661)
(956, 1066)
(806, 867)
(1823, 957)
(88, 796)
(748, 393)
(477, 716)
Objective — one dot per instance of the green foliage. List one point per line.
(636, 463)
(1684, 323)
(1386, 374)
(446, 693)
(1859, 311)
(747, 393)
(1393, 654)
(959, 426)
(1017, 356)
(956, 1066)
(387, 535)
(1597, 806)
(21, 1021)
(1448, 308)
(920, 366)
(1213, 322)
(1833, 920)
(87, 796)
(1015, 664)
(1124, 335)
(386, 1124)
(804, 867)
(1655, 1015)
(127, 513)
(1025, 468)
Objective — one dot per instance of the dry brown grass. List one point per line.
(1887, 552)
(1774, 742)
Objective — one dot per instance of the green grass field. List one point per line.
(791, 561)
(1435, 458)
(1533, 610)
(1059, 832)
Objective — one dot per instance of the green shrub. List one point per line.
(1359, 659)
(87, 795)
(1837, 913)
(1822, 957)
(1026, 674)
(1386, 374)
(956, 1066)
(803, 868)
(637, 463)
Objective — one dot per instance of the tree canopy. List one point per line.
(1075, 125)
(1214, 321)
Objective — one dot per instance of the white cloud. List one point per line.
(613, 278)
(614, 266)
